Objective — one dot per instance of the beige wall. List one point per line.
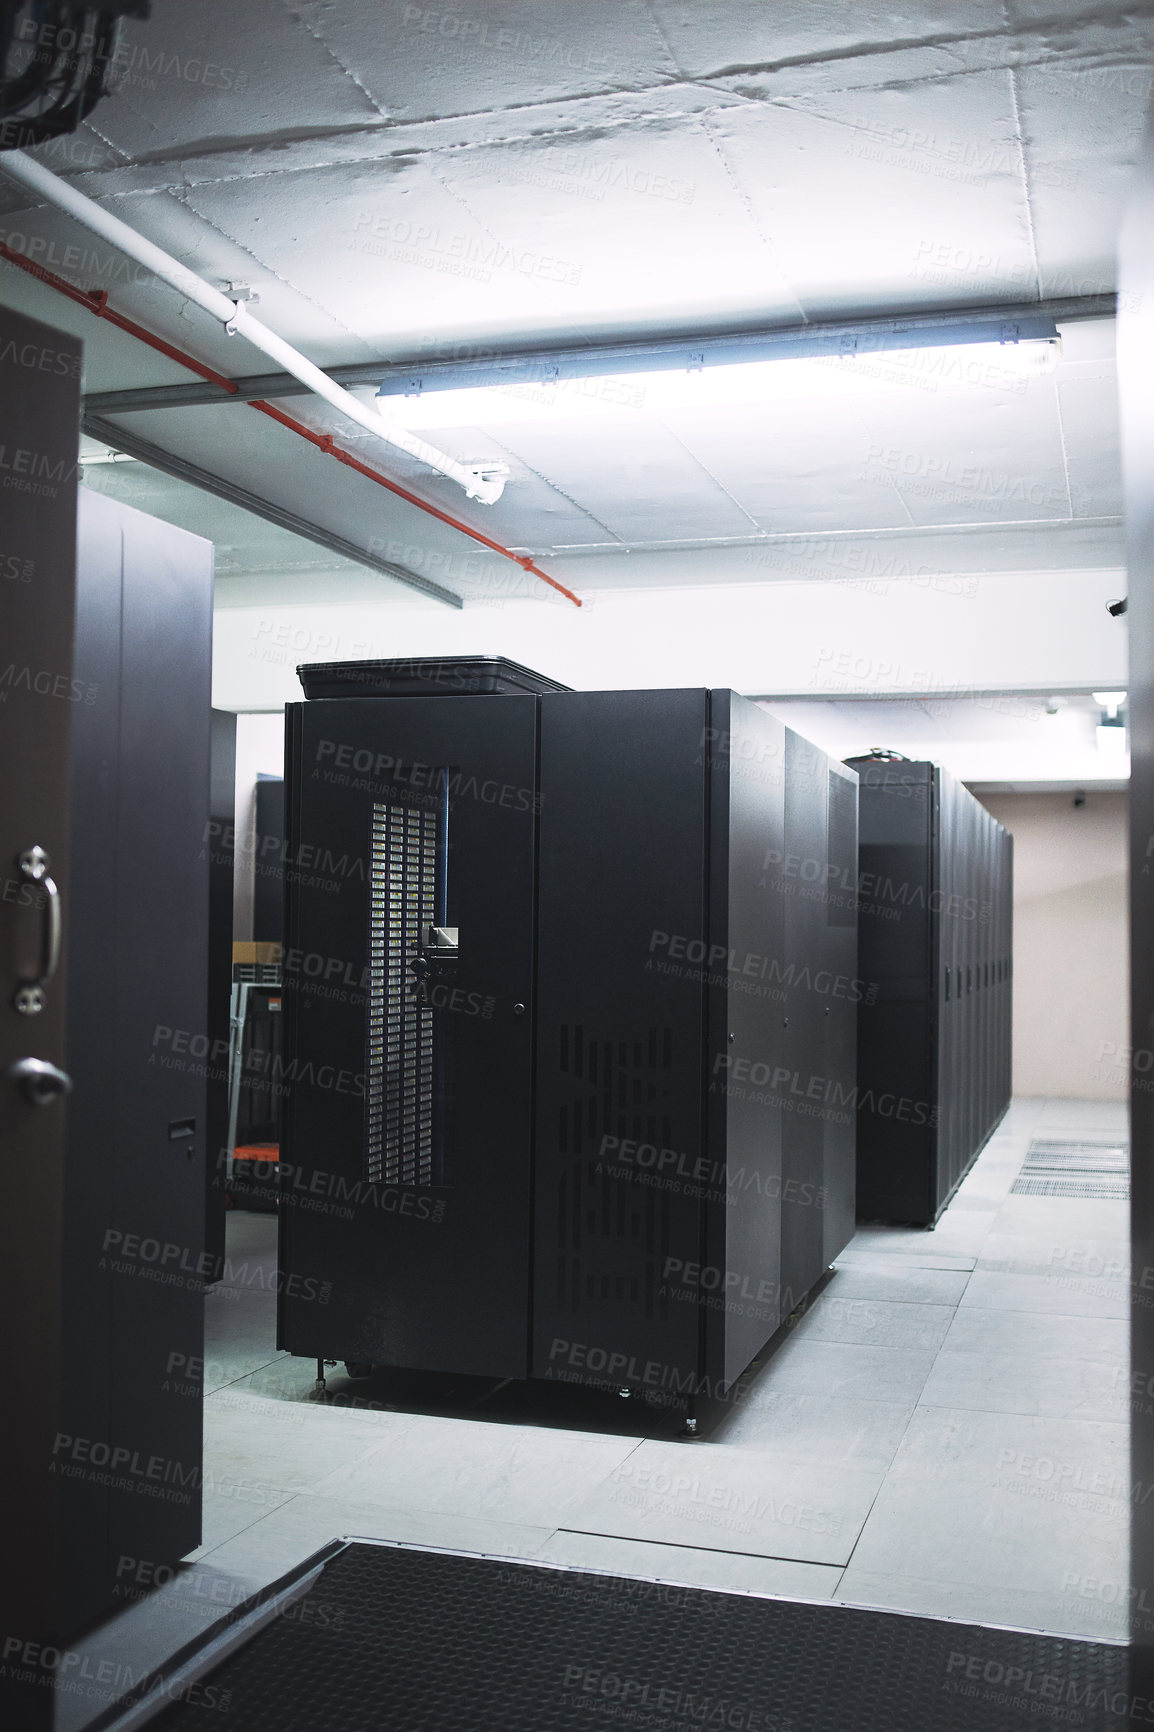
(1070, 943)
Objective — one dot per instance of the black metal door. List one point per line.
(39, 418)
(410, 822)
(623, 937)
(1135, 334)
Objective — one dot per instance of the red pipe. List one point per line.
(96, 301)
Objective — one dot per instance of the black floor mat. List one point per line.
(390, 1637)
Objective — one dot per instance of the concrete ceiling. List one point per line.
(401, 181)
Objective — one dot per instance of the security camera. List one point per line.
(1115, 608)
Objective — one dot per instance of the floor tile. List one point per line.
(817, 1428)
(730, 1499)
(991, 1537)
(509, 1473)
(866, 1280)
(1020, 1383)
(1044, 1334)
(875, 1322)
(1073, 1459)
(1069, 1613)
(281, 1446)
(1062, 1294)
(1056, 1254)
(288, 1535)
(692, 1566)
(865, 1253)
(842, 1370)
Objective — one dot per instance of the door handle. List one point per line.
(29, 996)
(38, 1081)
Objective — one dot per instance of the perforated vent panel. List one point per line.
(399, 1063)
(1053, 1168)
(617, 1094)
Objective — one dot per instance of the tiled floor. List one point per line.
(944, 1431)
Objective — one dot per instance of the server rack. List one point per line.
(569, 1027)
(936, 952)
(134, 1192)
(221, 871)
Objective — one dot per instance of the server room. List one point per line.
(577, 724)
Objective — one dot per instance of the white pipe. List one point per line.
(236, 318)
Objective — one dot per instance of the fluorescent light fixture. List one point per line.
(1111, 702)
(623, 397)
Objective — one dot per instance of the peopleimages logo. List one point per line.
(1023, 1686)
(68, 1671)
(781, 1082)
(751, 965)
(383, 768)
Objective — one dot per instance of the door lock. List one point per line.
(38, 1081)
(437, 947)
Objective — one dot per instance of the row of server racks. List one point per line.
(587, 1074)
(935, 948)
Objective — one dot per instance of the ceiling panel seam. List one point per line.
(747, 205)
(681, 76)
(317, 37)
(903, 531)
(273, 144)
(1047, 54)
(1020, 139)
(186, 203)
(707, 471)
(1106, 16)
(1063, 447)
(538, 474)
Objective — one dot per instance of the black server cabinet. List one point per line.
(935, 952)
(268, 856)
(588, 976)
(130, 1459)
(404, 1233)
(220, 851)
(695, 1025)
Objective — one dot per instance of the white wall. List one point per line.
(259, 749)
(1070, 943)
(1025, 631)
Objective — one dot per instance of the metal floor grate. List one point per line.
(1054, 1168)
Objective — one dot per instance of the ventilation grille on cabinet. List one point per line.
(399, 1068)
(620, 1090)
(1068, 1169)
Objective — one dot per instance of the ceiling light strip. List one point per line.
(237, 320)
(96, 301)
(1010, 325)
(607, 358)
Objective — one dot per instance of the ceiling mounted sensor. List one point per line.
(56, 63)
